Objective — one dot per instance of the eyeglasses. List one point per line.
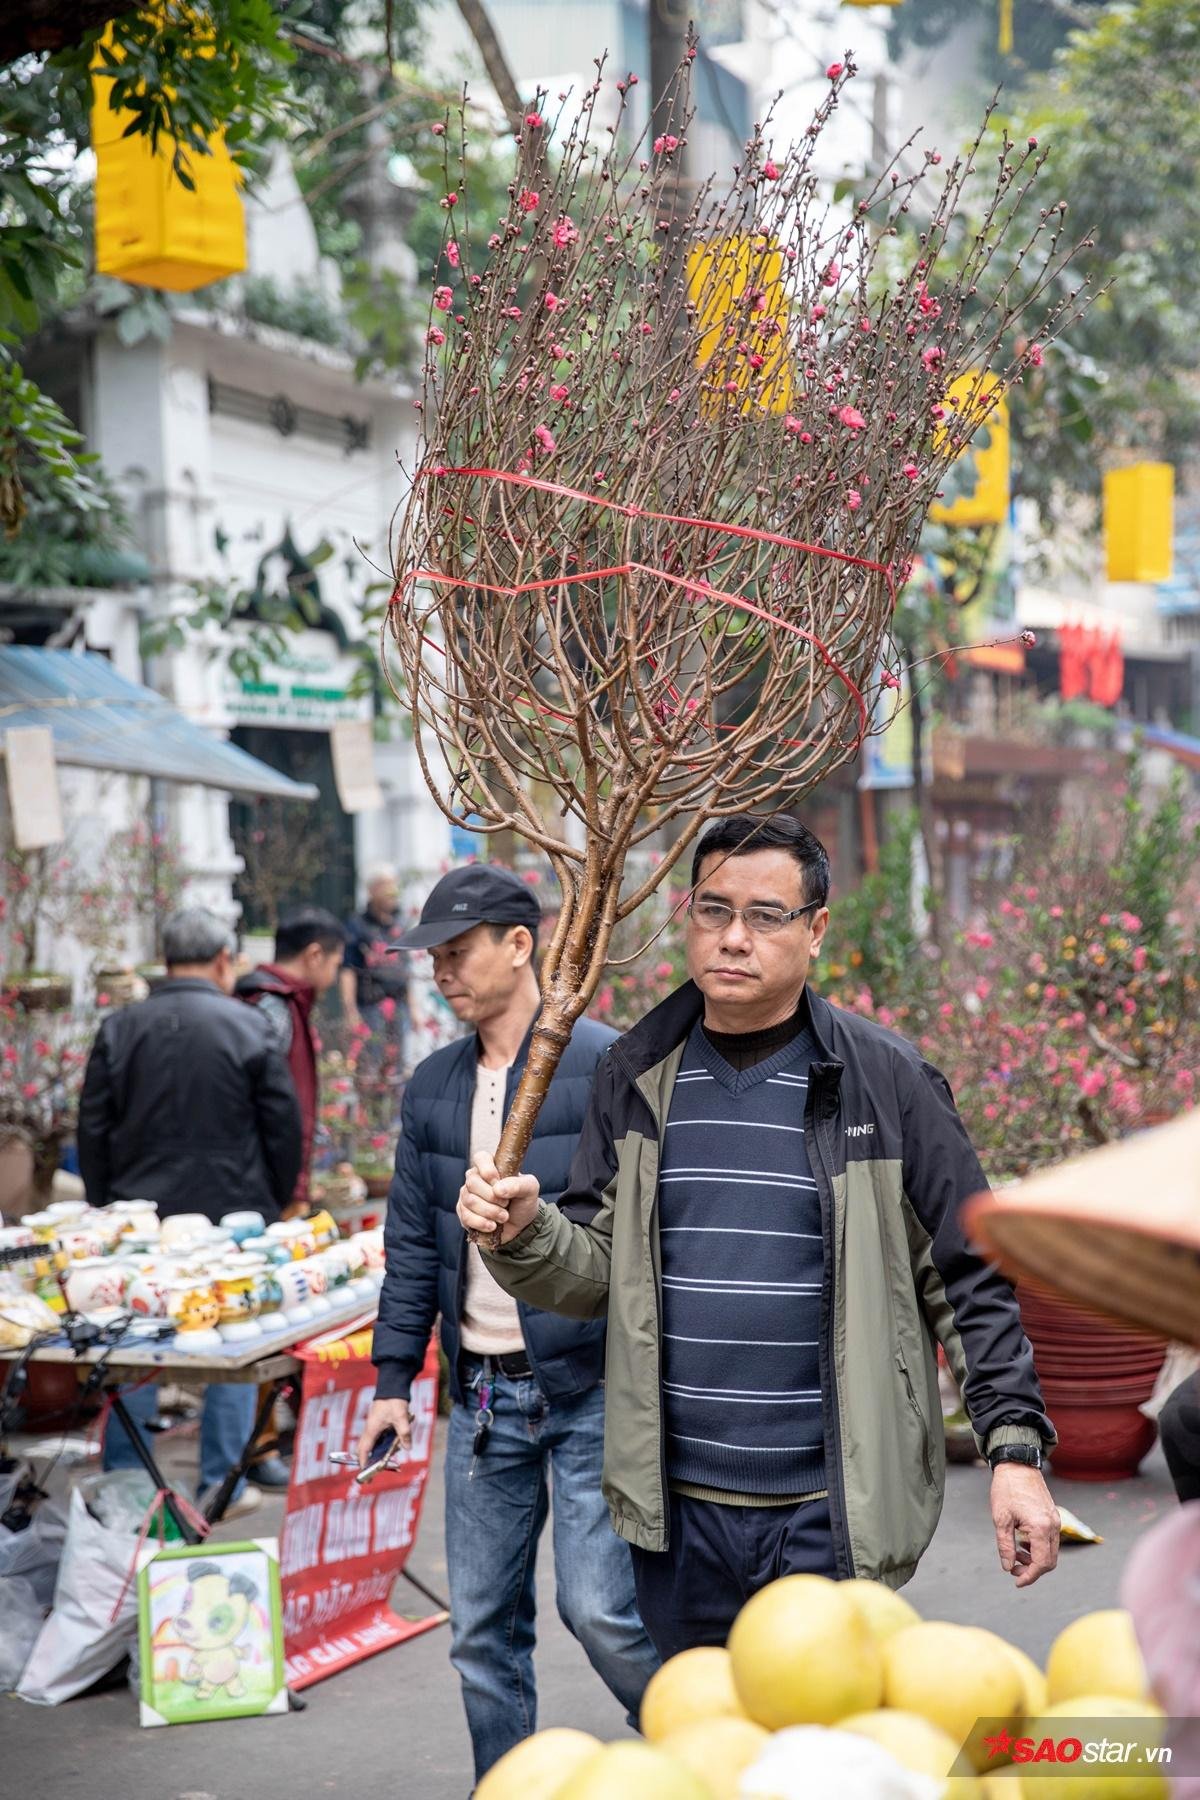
(715, 915)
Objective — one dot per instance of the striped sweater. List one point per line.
(740, 1230)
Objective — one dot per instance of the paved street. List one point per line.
(392, 1728)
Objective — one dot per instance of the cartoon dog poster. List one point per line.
(210, 1630)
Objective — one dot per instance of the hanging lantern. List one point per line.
(150, 229)
(988, 504)
(737, 287)
(1139, 504)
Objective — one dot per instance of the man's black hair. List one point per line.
(743, 834)
(306, 925)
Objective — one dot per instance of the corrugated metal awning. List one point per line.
(1179, 744)
(99, 720)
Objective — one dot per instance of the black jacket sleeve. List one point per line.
(970, 1306)
(97, 1116)
(279, 1129)
(408, 1299)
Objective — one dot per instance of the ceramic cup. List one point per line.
(318, 1284)
(323, 1226)
(269, 1294)
(272, 1250)
(361, 1284)
(293, 1285)
(242, 1225)
(78, 1241)
(372, 1246)
(193, 1309)
(336, 1260)
(44, 1225)
(179, 1227)
(67, 1209)
(149, 1291)
(238, 1302)
(138, 1217)
(96, 1281)
(295, 1234)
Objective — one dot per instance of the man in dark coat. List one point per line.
(309, 944)
(187, 1102)
(527, 1387)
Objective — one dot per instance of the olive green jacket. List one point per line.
(893, 1165)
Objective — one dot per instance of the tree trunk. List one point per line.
(495, 62)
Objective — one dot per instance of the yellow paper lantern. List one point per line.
(150, 229)
(721, 277)
(973, 397)
(1139, 508)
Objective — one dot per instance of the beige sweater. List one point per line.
(491, 1325)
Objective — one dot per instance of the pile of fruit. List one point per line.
(840, 1691)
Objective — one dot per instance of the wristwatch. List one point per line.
(1029, 1454)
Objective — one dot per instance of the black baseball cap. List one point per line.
(476, 895)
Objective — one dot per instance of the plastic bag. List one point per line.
(121, 1499)
(21, 1616)
(81, 1641)
(35, 1553)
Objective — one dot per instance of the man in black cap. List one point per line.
(526, 1385)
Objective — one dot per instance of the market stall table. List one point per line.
(267, 1362)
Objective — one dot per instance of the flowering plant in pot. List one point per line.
(360, 1105)
(1068, 1016)
(41, 1073)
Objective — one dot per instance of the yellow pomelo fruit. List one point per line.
(537, 1768)
(802, 1654)
(632, 1772)
(883, 1609)
(954, 1676)
(917, 1744)
(1097, 1654)
(1005, 1784)
(717, 1750)
(1113, 1784)
(1035, 1696)
(696, 1684)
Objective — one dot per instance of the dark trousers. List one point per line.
(1179, 1429)
(719, 1555)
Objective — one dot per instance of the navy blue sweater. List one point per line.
(740, 1229)
(426, 1245)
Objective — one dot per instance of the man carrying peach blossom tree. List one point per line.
(764, 1205)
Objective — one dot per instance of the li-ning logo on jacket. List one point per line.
(859, 1130)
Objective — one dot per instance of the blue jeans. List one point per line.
(226, 1421)
(494, 1518)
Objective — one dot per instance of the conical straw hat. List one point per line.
(1117, 1230)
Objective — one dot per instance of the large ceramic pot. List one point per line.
(1095, 1377)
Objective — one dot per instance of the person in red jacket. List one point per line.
(309, 945)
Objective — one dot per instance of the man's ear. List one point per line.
(523, 945)
(820, 925)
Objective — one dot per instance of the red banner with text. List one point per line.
(344, 1545)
